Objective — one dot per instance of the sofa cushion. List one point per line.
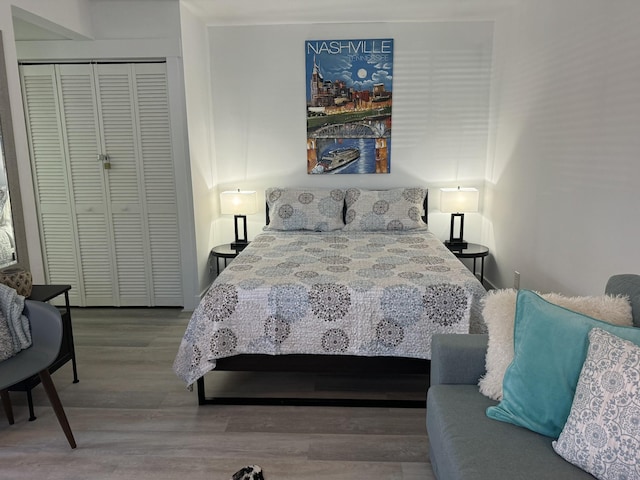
(465, 444)
(550, 344)
(602, 433)
(499, 312)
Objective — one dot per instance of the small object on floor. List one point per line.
(252, 472)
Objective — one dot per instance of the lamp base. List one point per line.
(239, 245)
(240, 242)
(456, 245)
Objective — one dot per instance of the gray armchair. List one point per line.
(46, 337)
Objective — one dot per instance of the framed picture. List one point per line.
(349, 100)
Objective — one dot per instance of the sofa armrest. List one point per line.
(458, 358)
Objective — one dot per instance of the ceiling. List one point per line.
(274, 12)
(265, 12)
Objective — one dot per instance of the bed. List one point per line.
(340, 280)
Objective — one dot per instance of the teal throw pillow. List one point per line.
(550, 346)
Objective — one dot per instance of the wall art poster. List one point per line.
(349, 97)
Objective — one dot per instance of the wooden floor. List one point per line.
(134, 419)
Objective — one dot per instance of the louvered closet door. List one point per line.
(158, 183)
(114, 85)
(134, 110)
(51, 177)
(81, 131)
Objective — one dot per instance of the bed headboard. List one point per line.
(425, 204)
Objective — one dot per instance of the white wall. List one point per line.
(195, 46)
(120, 29)
(440, 109)
(135, 19)
(66, 17)
(563, 192)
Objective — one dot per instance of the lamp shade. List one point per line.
(238, 202)
(456, 200)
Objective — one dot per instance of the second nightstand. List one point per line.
(224, 252)
(475, 251)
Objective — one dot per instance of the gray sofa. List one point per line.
(463, 442)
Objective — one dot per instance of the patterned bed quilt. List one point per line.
(349, 293)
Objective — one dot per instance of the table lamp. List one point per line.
(457, 201)
(238, 203)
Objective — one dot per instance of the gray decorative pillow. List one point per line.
(315, 209)
(602, 433)
(383, 210)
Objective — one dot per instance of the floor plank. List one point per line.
(133, 418)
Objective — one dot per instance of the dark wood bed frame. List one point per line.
(321, 364)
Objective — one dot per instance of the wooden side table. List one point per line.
(44, 293)
(474, 251)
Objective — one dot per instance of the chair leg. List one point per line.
(6, 403)
(47, 383)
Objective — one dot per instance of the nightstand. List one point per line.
(474, 251)
(224, 252)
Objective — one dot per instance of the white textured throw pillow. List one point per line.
(602, 433)
(499, 313)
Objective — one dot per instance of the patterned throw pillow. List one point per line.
(385, 210)
(18, 279)
(602, 433)
(315, 209)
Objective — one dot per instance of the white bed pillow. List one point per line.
(499, 313)
(385, 210)
(314, 209)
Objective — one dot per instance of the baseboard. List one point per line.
(488, 285)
